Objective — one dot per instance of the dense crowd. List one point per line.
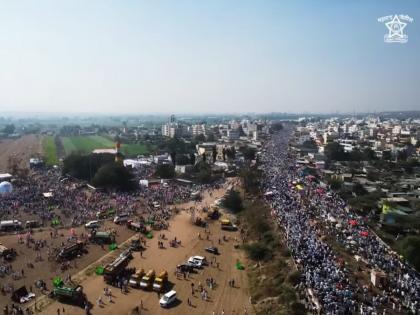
(309, 213)
(42, 192)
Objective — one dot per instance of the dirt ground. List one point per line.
(23, 148)
(232, 300)
(47, 270)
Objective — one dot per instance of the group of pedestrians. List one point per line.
(307, 213)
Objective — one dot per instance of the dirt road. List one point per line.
(233, 300)
(23, 149)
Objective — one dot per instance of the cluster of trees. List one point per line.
(233, 201)
(248, 152)
(202, 172)
(277, 126)
(100, 170)
(250, 179)
(409, 248)
(9, 129)
(166, 171)
(335, 152)
(229, 153)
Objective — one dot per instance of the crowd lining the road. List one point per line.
(308, 213)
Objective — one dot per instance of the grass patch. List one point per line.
(86, 144)
(132, 150)
(273, 276)
(50, 150)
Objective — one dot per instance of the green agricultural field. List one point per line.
(85, 144)
(132, 150)
(50, 150)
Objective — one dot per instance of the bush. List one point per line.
(258, 251)
(298, 308)
(294, 277)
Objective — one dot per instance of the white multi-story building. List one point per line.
(198, 129)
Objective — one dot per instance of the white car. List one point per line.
(92, 224)
(167, 299)
(197, 261)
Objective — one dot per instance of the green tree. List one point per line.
(249, 153)
(233, 201)
(277, 126)
(335, 183)
(386, 155)
(114, 176)
(211, 137)
(85, 166)
(230, 153)
(334, 151)
(410, 248)
(203, 172)
(199, 138)
(250, 179)
(9, 129)
(165, 171)
(359, 190)
(310, 144)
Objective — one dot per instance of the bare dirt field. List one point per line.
(232, 300)
(47, 270)
(23, 149)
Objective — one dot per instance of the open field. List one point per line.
(85, 144)
(131, 150)
(21, 149)
(233, 300)
(50, 150)
(46, 269)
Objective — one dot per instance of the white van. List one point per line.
(167, 299)
(121, 218)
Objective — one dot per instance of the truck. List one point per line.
(227, 225)
(70, 251)
(146, 282)
(136, 278)
(71, 295)
(10, 225)
(136, 226)
(115, 269)
(101, 237)
(160, 281)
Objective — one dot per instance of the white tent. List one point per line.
(5, 188)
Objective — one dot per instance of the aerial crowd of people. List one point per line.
(309, 214)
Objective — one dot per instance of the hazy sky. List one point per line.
(206, 56)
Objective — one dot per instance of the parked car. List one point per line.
(121, 218)
(185, 267)
(167, 299)
(92, 224)
(214, 250)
